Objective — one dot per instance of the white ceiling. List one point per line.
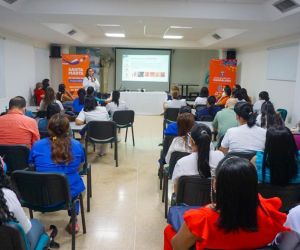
(240, 23)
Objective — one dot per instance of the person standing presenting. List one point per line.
(90, 80)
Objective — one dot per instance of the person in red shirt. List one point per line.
(239, 219)
(39, 93)
(15, 127)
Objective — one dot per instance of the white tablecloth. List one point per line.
(145, 103)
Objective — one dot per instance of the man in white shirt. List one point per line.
(175, 102)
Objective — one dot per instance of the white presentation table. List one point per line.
(145, 103)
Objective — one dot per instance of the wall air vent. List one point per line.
(285, 5)
(216, 36)
(72, 32)
(10, 1)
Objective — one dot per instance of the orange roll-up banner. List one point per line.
(73, 71)
(221, 72)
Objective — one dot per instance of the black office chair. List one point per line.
(41, 114)
(166, 145)
(205, 118)
(43, 134)
(170, 115)
(11, 238)
(86, 169)
(193, 190)
(168, 172)
(47, 192)
(246, 155)
(289, 195)
(124, 119)
(102, 132)
(15, 157)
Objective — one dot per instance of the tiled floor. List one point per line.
(126, 208)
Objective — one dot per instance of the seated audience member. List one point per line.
(39, 93)
(46, 84)
(247, 137)
(52, 109)
(116, 103)
(279, 164)
(210, 111)
(60, 154)
(239, 218)
(12, 211)
(78, 103)
(245, 96)
(181, 143)
(15, 127)
(225, 118)
(296, 132)
(202, 98)
(92, 112)
(225, 96)
(63, 95)
(48, 99)
(172, 128)
(176, 102)
(263, 97)
(203, 160)
(268, 117)
(90, 91)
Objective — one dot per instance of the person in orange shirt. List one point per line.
(15, 127)
(225, 96)
(240, 218)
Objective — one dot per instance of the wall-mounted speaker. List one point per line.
(55, 51)
(231, 54)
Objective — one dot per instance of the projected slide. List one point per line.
(145, 68)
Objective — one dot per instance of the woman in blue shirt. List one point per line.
(209, 112)
(60, 154)
(279, 164)
(78, 103)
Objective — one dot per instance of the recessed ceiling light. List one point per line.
(180, 27)
(115, 34)
(172, 37)
(108, 25)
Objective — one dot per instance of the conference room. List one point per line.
(142, 125)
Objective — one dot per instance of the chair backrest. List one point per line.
(11, 237)
(283, 113)
(15, 157)
(101, 131)
(43, 134)
(289, 195)
(193, 190)
(246, 155)
(123, 118)
(175, 156)
(205, 118)
(166, 144)
(171, 114)
(41, 191)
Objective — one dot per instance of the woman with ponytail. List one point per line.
(247, 137)
(78, 103)
(12, 211)
(60, 154)
(202, 161)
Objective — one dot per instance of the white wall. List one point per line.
(24, 65)
(253, 76)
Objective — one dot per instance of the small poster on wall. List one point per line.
(73, 70)
(222, 73)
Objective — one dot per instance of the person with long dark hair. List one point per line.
(210, 111)
(202, 98)
(12, 211)
(48, 99)
(269, 117)
(279, 164)
(78, 103)
(181, 143)
(59, 153)
(225, 96)
(90, 80)
(245, 96)
(239, 218)
(202, 161)
(246, 137)
(116, 103)
(263, 97)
